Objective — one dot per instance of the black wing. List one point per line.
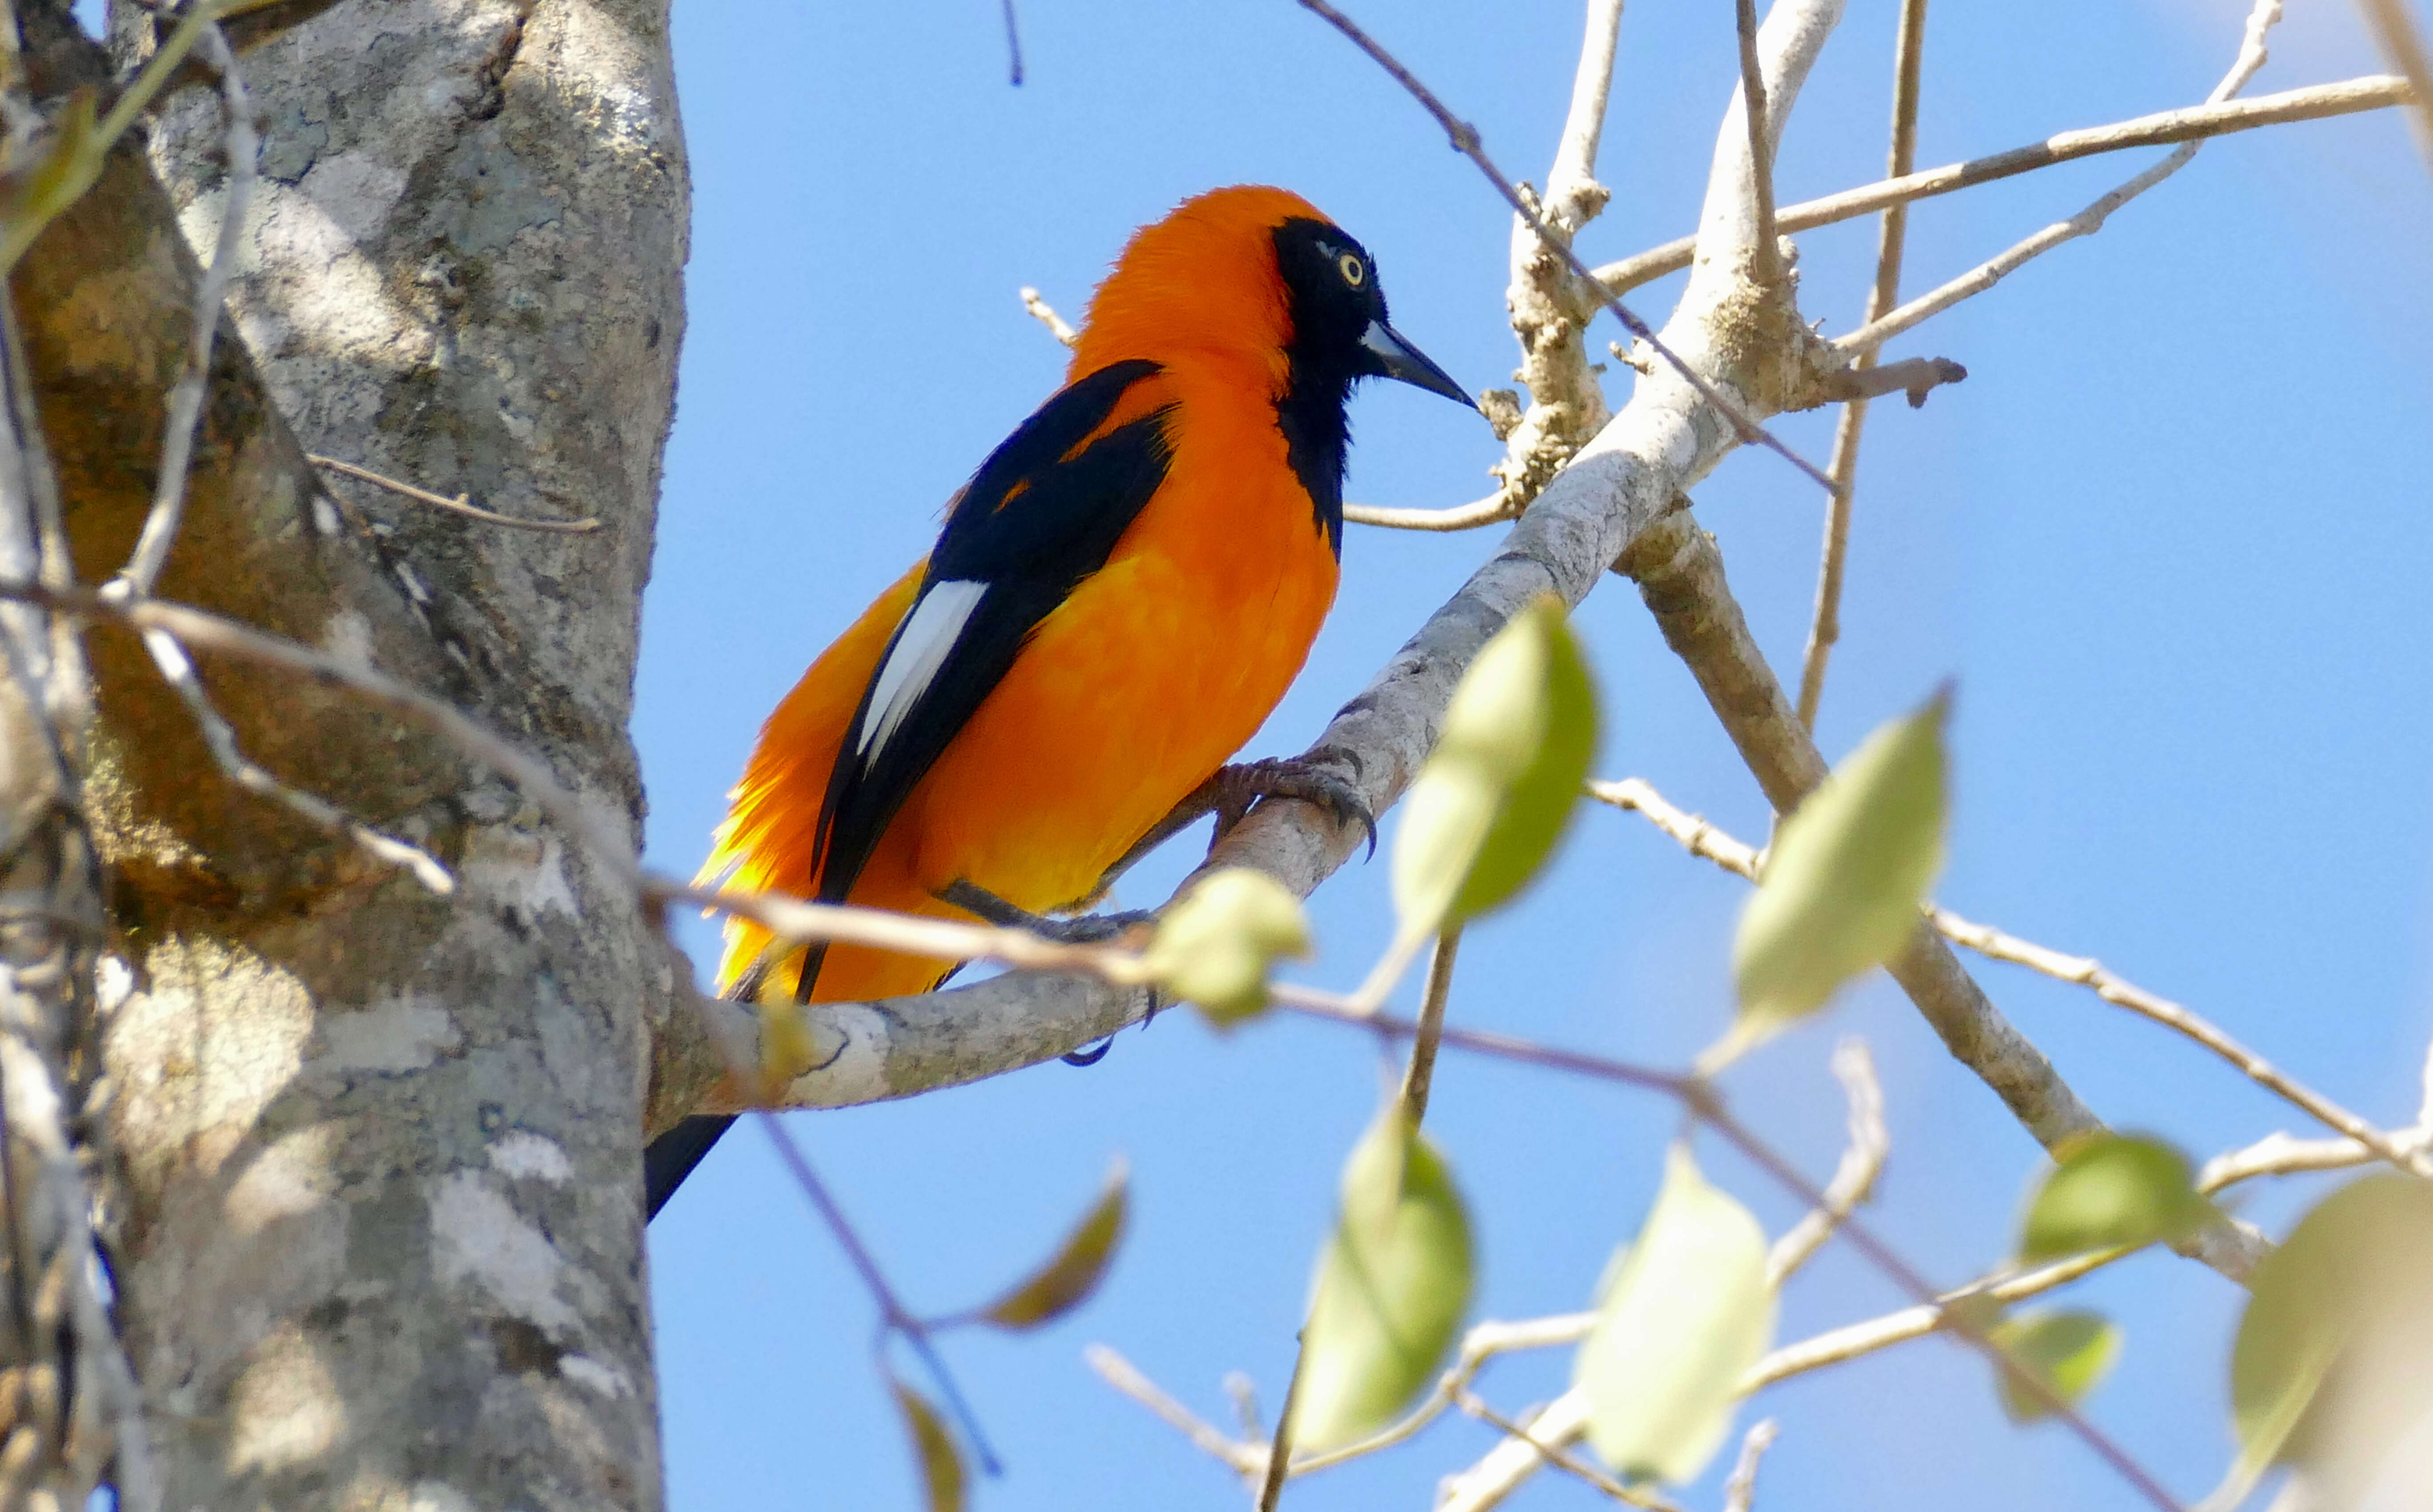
(1037, 518)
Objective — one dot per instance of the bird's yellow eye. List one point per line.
(1354, 272)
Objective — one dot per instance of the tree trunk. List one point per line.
(381, 1242)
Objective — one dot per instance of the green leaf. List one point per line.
(933, 1449)
(1489, 806)
(1688, 1312)
(1846, 874)
(1392, 1284)
(32, 197)
(1213, 946)
(1078, 1267)
(2070, 1350)
(2329, 1366)
(2112, 1190)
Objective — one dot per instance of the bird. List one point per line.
(1117, 598)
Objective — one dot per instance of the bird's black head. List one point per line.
(1339, 333)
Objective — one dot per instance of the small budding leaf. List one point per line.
(1492, 800)
(2112, 1190)
(1078, 1267)
(1392, 1284)
(2329, 1369)
(1215, 945)
(2069, 1349)
(1846, 875)
(786, 1049)
(1684, 1317)
(933, 1449)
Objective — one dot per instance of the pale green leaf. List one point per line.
(1489, 805)
(1686, 1316)
(933, 1450)
(1392, 1284)
(1215, 944)
(2112, 1190)
(2329, 1367)
(2069, 1349)
(1078, 1267)
(1846, 874)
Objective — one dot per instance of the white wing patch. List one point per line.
(929, 632)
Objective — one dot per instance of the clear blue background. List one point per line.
(2169, 536)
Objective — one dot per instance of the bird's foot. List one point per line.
(1233, 789)
(1089, 929)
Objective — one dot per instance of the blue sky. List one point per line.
(2168, 538)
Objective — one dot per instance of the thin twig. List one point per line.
(1765, 258)
(2404, 46)
(1710, 1111)
(1465, 140)
(1825, 626)
(1705, 1104)
(1563, 1459)
(185, 404)
(1420, 1075)
(177, 669)
(1279, 1466)
(1739, 1489)
(1490, 510)
(1045, 314)
(2085, 222)
(1704, 840)
(2316, 102)
(2085, 972)
(1127, 1377)
(1566, 405)
(461, 504)
(1854, 1178)
(1680, 575)
(1012, 46)
(898, 1317)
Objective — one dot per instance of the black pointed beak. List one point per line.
(1398, 359)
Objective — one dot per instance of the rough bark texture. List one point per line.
(384, 1246)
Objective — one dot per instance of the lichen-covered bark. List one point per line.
(384, 1246)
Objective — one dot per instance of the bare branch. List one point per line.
(1494, 509)
(1045, 314)
(1525, 1435)
(177, 669)
(461, 504)
(1825, 626)
(2085, 222)
(2088, 972)
(1125, 1377)
(1465, 140)
(1740, 1488)
(1680, 575)
(1567, 405)
(243, 146)
(2404, 46)
(1861, 381)
(1854, 1179)
(2373, 92)
(1727, 251)
(1765, 257)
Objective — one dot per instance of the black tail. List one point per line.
(671, 1156)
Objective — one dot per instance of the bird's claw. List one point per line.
(1237, 787)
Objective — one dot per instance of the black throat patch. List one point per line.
(1322, 357)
